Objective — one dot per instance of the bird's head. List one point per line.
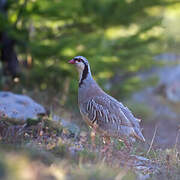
(80, 62)
(83, 68)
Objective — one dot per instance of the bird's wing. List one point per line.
(111, 116)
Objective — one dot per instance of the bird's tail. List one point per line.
(138, 134)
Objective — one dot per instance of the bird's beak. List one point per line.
(72, 61)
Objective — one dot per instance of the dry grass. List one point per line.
(43, 150)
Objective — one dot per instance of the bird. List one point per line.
(102, 112)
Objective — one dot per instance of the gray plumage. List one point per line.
(101, 111)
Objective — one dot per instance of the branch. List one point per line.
(23, 6)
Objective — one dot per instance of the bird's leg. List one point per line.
(93, 134)
(93, 138)
(107, 142)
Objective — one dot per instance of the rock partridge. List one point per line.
(103, 113)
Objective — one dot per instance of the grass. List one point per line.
(41, 149)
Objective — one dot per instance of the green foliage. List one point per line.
(116, 36)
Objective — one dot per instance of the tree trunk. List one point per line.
(8, 54)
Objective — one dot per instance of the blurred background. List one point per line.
(132, 46)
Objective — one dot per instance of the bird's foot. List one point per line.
(128, 145)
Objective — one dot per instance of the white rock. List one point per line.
(19, 107)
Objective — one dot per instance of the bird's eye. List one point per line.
(78, 60)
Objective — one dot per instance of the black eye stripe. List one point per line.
(78, 60)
